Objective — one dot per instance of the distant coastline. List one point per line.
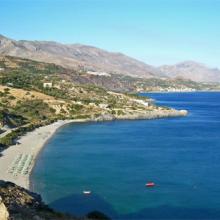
(196, 91)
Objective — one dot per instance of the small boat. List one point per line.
(87, 192)
(150, 184)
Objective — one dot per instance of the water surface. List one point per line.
(115, 159)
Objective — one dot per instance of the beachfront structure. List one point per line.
(48, 85)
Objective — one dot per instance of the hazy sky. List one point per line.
(155, 31)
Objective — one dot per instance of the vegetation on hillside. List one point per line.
(26, 103)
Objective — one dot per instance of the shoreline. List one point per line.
(18, 161)
(196, 91)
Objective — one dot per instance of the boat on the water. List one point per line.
(150, 184)
(85, 192)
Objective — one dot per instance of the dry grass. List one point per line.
(25, 94)
(22, 94)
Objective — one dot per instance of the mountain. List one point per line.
(192, 70)
(77, 56)
(110, 82)
(100, 62)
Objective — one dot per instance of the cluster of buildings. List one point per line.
(181, 89)
(98, 73)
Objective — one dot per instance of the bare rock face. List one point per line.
(4, 215)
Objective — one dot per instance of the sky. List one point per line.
(155, 31)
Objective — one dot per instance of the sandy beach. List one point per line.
(18, 160)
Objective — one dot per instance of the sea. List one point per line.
(115, 159)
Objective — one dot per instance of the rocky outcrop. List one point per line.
(104, 117)
(154, 114)
(22, 204)
(144, 114)
(4, 215)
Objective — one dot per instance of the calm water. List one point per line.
(116, 159)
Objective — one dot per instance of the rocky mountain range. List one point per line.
(92, 59)
(76, 56)
(192, 70)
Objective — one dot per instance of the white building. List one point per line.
(98, 73)
(48, 85)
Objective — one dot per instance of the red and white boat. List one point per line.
(150, 184)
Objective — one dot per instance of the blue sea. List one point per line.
(116, 159)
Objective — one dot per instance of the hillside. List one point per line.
(112, 82)
(33, 94)
(191, 70)
(76, 56)
(95, 61)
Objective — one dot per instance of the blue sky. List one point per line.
(155, 31)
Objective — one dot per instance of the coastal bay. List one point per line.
(109, 110)
(17, 161)
(115, 159)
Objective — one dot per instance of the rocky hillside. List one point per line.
(34, 93)
(17, 203)
(95, 61)
(77, 56)
(113, 82)
(191, 70)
